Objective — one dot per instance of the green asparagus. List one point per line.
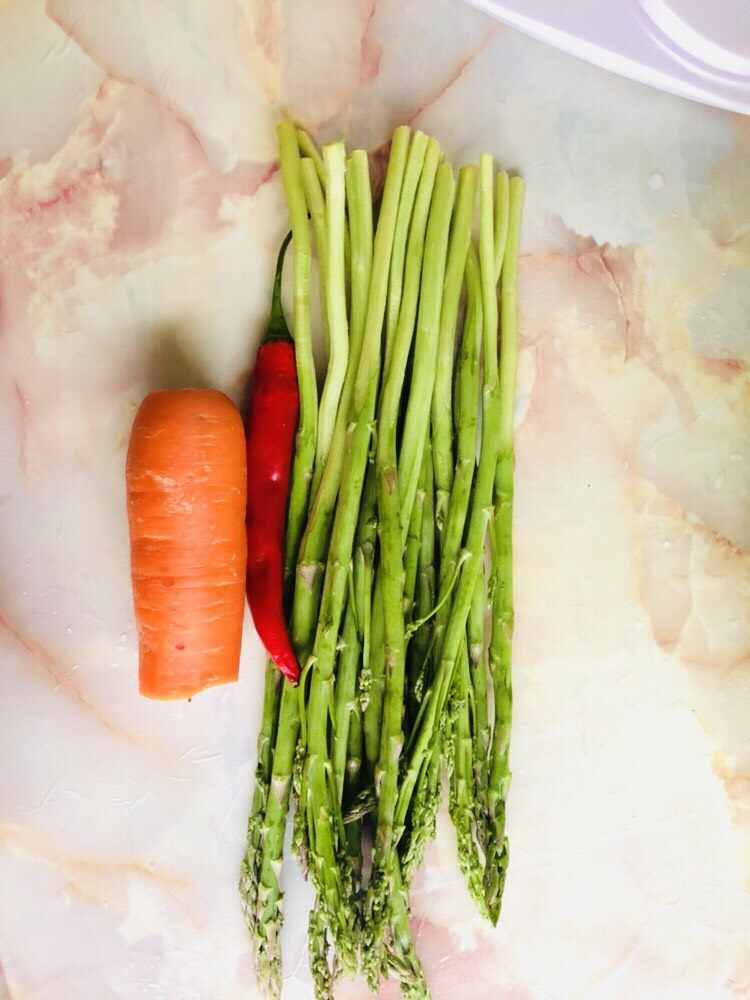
(396, 487)
(502, 604)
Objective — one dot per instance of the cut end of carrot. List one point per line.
(153, 687)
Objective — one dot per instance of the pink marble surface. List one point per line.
(140, 211)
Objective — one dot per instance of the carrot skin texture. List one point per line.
(271, 426)
(186, 496)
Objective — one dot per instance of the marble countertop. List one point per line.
(140, 212)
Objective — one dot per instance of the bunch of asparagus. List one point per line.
(398, 545)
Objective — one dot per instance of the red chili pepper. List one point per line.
(271, 425)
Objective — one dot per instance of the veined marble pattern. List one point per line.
(140, 213)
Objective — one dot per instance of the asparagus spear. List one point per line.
(334, 298)
(322, 811)
(465, 805)
(306, 592)
(310, 151)
(250, 871)
(402, 958)
(396, 277)
(307, 428)
(316, 206)
(330, 229)
(502, 203)
(359, 204)
(460, 236)
(373, 673)
(269, 910)
(502, 605)
(345, 697)
(467, 400)
(251, 862)
(424, 808)
(352, 788)
(421, 644)
(329, 226)
(481, 731)
(403, 332)
(268, 905)
(414, 541)
(416, 420)
(463, 800)
(355, 176)
(454, 503)
(390, 509)
(442, 403)
(309, 576)
(361, 232)
(322, 975)
(428, 721)
(422, 823)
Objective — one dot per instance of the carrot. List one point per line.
(186, 493)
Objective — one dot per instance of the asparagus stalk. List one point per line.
(299, 822)
(311, 152)
(402, 339)
(269, 918)
(352, 788)
(463, 801)
(374, 677)
(309, 575)
(364, 561)
(428, 721)
(360, 225)
(307, 429)
(322, 975)
(329, 223)
(502, 605)
(396, 278)
(345, 698)
(424, 809)
(421, 644)
(402, 958)
(481, 731)
(467, 399)
(312, 550)
(403, 292)
(334, 300)
(316, 206)
(347, 737)
(306, 593)
(390, 506)
(359, 205)
(322, 811)
(250, 871)
(466, 806)
(502, 203)
(414, 541)
(442, 402)
(466, 408)
(268, 904)
(416, 420)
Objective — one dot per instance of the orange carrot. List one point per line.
(187, 487)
